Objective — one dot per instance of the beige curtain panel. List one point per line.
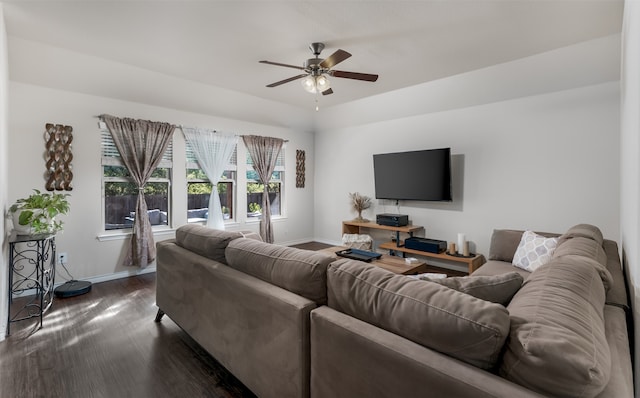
(141, 144)
(264, 152)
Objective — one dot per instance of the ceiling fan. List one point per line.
(316, 71)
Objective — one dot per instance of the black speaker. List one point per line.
(392, 220)
(426, 245)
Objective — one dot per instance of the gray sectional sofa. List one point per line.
(296, 323)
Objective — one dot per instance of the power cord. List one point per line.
(68, 273)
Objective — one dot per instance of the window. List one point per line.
(120, 192)
(199, 189)
(255, 189)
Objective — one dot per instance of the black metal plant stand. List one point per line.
(31, 271)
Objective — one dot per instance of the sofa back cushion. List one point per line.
(303, 272)
(504, 243)
(207, 242)
(557, 344)
(498, 288)
(584, 231)
(426, 313)
(589, 251)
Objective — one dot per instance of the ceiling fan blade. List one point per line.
(354, 75)
(279, 64)
(327, 91)
(334, 59)
(286, 80)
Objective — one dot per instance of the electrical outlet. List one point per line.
(62, 258)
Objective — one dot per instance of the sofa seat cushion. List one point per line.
(495, 267)
(207, 242)
(495, 288)
(557, 345)
(303, 272)
(426, 313)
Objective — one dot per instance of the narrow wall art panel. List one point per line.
(300, 158)
(58, 157)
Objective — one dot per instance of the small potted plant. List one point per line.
(36, 213)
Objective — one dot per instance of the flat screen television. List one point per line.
(416, 175)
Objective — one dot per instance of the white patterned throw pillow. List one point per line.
(533, 251)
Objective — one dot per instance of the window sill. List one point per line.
(227, 223)
(257, 219)
(121, 235)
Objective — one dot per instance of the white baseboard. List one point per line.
(97, 279)
(120, 275)
(329, 242)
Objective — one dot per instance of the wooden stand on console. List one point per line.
(353, 227)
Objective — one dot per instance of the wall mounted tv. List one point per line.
(416, 175)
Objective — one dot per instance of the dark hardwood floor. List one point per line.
(106, 344)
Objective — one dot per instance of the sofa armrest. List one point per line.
(351, 358)
(621, 383)
(256, 330)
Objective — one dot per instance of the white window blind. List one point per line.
(279, 160)
(111, 156)
(192, 161)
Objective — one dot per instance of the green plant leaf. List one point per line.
(25, 217)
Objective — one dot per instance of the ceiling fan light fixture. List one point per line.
(322, 83)
(315, 84)
(309, 84)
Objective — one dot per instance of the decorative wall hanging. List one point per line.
(300, 157)
(58, 156)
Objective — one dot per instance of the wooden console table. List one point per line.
(473, 263)
(353, 227)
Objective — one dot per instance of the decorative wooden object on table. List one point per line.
(359, 203)
(351, 227)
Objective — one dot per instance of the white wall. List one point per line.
(44, 65)
(4, 165)
(544, 162)
(32, 106)
(630, 161)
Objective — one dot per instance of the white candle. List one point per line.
(460, 242)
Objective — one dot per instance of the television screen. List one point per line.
(416, 175)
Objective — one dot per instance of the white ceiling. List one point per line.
(219, 43)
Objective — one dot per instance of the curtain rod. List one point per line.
(247, 135)
(181, 126)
